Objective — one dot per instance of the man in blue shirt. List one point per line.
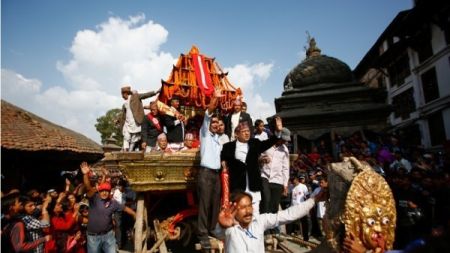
(208, 178)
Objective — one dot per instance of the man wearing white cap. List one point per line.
(162, 144)
(132, 116)
(188, 142)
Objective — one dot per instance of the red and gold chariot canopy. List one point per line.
(193, 80)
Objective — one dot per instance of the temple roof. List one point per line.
(317, 69)
(24, 131)
(320, 94)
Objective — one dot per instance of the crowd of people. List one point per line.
(94, 215)
(419, 180)
(84, 217)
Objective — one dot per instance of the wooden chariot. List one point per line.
(154, 172)
(151, 173)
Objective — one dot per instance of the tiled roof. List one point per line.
(22, 130)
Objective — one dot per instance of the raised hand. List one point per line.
(47, 199)
(85, 168)
(105, 171)
(226, 216)
(76, 207)
(61, 196)
(46, 202)
(278, 123)
(351, 245)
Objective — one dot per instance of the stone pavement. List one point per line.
(298, 248)
(294, 247)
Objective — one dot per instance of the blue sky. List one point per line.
(66, 60)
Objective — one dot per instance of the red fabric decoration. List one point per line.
(202, 75)
(224, 177)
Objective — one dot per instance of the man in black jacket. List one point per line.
(151, 128)
(174, 126)
(233, 120)
(241, 160)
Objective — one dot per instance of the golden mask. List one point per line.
(369, 212)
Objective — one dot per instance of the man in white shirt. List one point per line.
(223, 138)
(400, 162)
(132, 116)
(300, 194)
(235, 118)
(260, 132)
(275, 173)
(244, 231)
(321, 208)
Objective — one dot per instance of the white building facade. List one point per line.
(411, 60)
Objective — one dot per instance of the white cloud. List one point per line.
(15, 84)
(250, 78)
(74, 109)
(118, 51)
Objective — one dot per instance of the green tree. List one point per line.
(109, 126)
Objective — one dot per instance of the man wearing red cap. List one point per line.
(100, 234)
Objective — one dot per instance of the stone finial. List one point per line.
(313, 50)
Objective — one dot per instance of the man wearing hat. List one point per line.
(275, 173)
(189, 142)
(162, 144)
(100, 234)
(174, 125)
(238, 116)
(132, 116)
